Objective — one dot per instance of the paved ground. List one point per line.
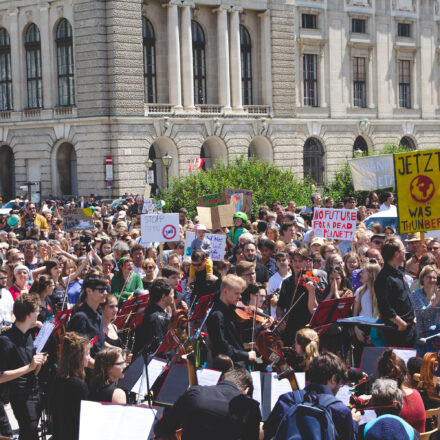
(12, 420)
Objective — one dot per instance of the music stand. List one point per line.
(202, 306)
(132, 312)
(328, 312)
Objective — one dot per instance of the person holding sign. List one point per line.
(394, 297)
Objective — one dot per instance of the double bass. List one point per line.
(427, 381)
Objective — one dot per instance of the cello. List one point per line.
(427, 381)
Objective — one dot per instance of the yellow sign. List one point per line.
(418, 190)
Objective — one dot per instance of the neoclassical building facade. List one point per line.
(302, 83)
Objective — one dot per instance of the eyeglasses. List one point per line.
(377, 242)
(3, 278)
(149, 267)
(197, 264)
(120, 363)
(433, 248)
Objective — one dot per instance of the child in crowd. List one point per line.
(240, 219)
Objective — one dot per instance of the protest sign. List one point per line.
(242, 203)
(417, 175)
(217, 216)
(372, 172)
(160, 227)
(148, 207)
(212, 199)
(334, 224)
(77, 219)
(218, 243)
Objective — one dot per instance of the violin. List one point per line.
(307, 277)
(247, 313)
(271, 347)
(427, 380)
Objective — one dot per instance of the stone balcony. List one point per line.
(206, 110)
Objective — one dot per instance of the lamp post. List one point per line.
(167, 161)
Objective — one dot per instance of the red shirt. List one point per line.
(15, 292)
(413, 411)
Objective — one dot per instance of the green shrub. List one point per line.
(267, 181)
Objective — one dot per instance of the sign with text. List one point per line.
(372, 172)
(77, 219)
(218, 243)
(240, 198)
(417, 176)
(160, 227)
(212, 200)
(334, 224)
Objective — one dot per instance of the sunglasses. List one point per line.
(433, 248)
(377, 242)
(102, 289)
(197, 264)
(149, 267)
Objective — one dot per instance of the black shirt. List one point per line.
(393, 294)
(88, 323)
(262, 273)
(225, 335)
(65, 403)
(17, 350)
(153, 329)
(104, 394)
(217, 412)
(271, 266)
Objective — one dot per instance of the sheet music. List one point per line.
(43, 336)
(155, 368)
(256, 380)
(301, 379)
(277, 388)
(208, 377)
(113, 422)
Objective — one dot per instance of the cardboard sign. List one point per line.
(217, 216)
(160, 227)
(334, 224)
(242, 203)
(77, 219)
(218, 243)
(417, 176)
(148, 207)
(212, 199)
(372, 172)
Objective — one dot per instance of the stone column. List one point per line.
(414, 77)
(236, 92)
(187, 58)
(370, 91)
(175, 85)
(266, 58)
(224, 85)
(46, 46)
(17, 68)
(322, 92)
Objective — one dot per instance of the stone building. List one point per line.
(302, 83)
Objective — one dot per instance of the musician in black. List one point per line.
(299, 296)
(223, 329)
(19, 366)
(86, 318)
(155, 322)
(219, 412)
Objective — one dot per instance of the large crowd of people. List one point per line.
(274, 271)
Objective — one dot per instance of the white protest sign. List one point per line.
(372, 172)
(160, 227)
(218, 243)
(334, 224)
(148, 207)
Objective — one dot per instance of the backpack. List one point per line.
(309, 420)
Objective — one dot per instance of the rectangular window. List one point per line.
(358, 26)
(34, 77)
(359, 82)
(5, 80)
(403, 29)
(308, 21)
(405, 83)
(310, 69)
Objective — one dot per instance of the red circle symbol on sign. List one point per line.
(422, 188)
(108, 160)
(169, 232)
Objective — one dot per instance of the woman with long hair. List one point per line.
(306, 346)
(109, 312)
(44, 287)
(337, 286)
(366, 305)
(105, 248)
(109, 368)
(69, 387)
(413, 411)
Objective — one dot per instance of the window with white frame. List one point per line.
(34, 74)
(310, 79)
(405, 83)
(359, 82)
(5, 71)
(66, 72)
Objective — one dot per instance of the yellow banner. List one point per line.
(418, 190)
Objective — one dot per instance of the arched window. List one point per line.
(149, 43)
(5, 71)
(33, 67)
(7, 173)
(360, 144)
(66, 78)
(407, 143)
(67, 169)
(313, 160)
(246, 65)
(199, 61)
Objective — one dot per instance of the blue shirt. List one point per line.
(426, 314)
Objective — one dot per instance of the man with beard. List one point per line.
(250, 254)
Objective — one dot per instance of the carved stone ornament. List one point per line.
(365, 3)
(405, 5)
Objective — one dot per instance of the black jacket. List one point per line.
(219, 412)
(225, 335)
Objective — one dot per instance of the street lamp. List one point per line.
(167, 160)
